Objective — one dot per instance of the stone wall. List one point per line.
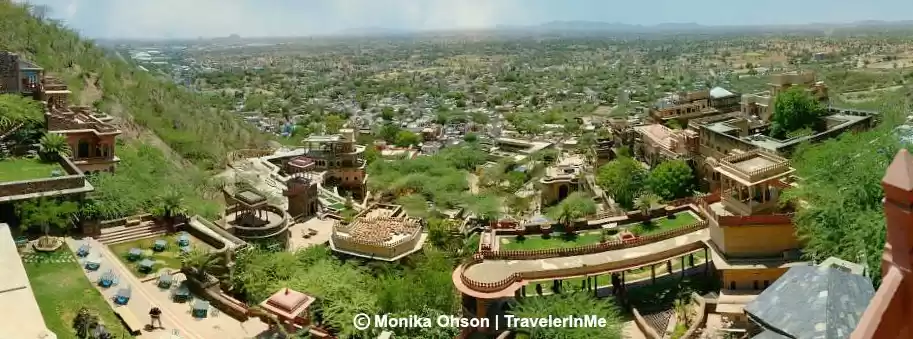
(41, 185)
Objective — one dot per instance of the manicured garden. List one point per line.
(170, 257)
(16, 169)
(556, 240)
(663, 224)
(61, 289)
(561, 240)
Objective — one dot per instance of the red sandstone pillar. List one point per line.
(888, 314)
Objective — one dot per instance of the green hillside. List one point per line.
(171, 136)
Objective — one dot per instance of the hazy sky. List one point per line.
(211, 18)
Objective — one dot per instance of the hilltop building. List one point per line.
(91, 137)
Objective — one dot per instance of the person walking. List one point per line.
(156, 315)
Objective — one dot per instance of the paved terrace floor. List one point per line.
(490, 271)
(175, 316)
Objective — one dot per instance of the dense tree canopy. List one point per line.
(671, 180)
(794, 110)
(840, 213)
(576, 304)
(577, 205)
(623, 178)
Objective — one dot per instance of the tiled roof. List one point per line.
(813, 302)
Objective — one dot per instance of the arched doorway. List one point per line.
(562, 192)
(83, 149)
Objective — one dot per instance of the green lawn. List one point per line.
(16, 169)
(556, 240)
(663, 224)
(170, 257)
(559, 240)
(62, 288)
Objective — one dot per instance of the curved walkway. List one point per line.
(493, 271)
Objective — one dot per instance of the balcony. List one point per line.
(739, 206)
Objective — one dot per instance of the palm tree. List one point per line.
(171, 206)
(577, 205)
(54, 146)
(200, 262)
(645, 202)
(46, 213)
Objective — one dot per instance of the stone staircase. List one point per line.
(134, 229)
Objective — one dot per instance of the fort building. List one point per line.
(684, 106)
(340, 158)
(382, 232)
(562, 179)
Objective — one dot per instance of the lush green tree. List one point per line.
(471, 137)
(480, 118)
(46, 213)
(342, 290)
(841, 213)
(16, 109)
(406, 138)
(577, 205)
(671, 180)
(53, 146)
(795, 109)
(623, 178)
(646, 201)
(333, 123)
(486, 207)
(577, 304)
(387, 114)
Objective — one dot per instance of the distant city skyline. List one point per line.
(171, 19)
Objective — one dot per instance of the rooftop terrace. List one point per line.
(16, 169)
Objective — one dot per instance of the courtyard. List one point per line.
(62, 289)
(16, 169)
(170, 257)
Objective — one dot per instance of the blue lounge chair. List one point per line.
(160, 245)
(200, 308)
(184, 239)
(92, 264)
(83, 250)
(135, 254)
(123, 296)
(145, 266)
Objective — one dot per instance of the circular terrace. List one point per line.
(252, 218)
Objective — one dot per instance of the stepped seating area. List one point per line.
(134, 229)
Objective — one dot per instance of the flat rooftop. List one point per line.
(754, 164)
(836, 122)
